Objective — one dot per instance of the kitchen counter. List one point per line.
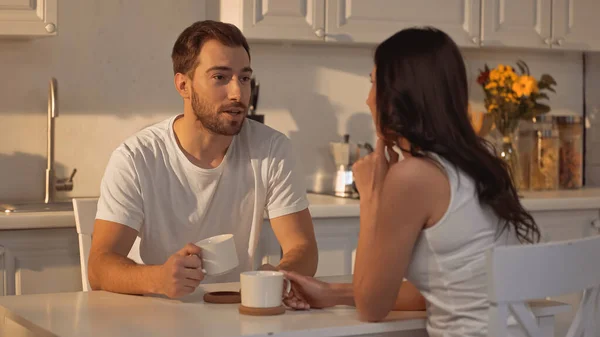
(100, 313)
(325, 206)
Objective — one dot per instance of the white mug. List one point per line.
(219, 255)
(262, 289)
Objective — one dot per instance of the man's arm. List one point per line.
(109, 268)
(296, 236)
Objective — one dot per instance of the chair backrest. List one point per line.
(85, 216)
(520, 273)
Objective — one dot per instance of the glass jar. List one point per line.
(526, 143)
(543, 168)
(571, 152)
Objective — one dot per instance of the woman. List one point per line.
(431, 216)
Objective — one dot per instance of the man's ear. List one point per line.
(183, 85)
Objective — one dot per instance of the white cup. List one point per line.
(219, 255)
(262, 289)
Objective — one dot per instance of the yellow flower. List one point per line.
(491, 85)
(494, 75)
(501, 68)
(524, 86)
(492, 106)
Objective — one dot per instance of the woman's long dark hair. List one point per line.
(422, 95)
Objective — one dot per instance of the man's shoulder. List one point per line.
(259, 135)
(151, 138)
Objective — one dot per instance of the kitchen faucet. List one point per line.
(53, 184)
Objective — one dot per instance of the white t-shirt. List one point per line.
(151, 186)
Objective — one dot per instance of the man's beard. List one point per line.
(213, 121)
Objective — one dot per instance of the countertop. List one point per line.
(100, 313)
(562, 200)
(325, 206)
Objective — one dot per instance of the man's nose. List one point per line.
(234, 90)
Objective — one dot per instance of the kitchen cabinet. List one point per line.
(526, 23)
(561, 24)
(558, 24)
(374, 21)
(276, 19)
(39, 261)
(575, 24)
(351, 21)
(28, 18)
(336, 240)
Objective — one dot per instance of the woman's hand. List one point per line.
(370, 171)
(312, 292)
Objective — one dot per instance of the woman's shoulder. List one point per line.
(418, 170)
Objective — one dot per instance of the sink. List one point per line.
(35, 207)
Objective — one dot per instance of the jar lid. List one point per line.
(569, 119)
(542, 119)
(553, 133)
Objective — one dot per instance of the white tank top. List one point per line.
(448, 263)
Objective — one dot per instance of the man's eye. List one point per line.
(245, 78)
(219, 77)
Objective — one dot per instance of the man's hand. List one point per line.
(182, 273)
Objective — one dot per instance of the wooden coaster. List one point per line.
(262, 311)
(223, 297)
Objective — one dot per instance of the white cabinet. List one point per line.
(336, 240)
(565, 24)
(575, 24)
(28, 17)
(375, 20)
(525, 23)
(40, 261)
(276, 19)
(566, 224)
(351, 21)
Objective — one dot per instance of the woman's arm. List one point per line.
(393, 211)
(319, 294)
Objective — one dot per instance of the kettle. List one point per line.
(345, 154)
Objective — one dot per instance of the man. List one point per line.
(206, 172)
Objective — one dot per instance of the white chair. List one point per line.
(85, 215)
(521, 273)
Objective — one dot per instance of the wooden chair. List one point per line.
(518, 274)
(85, 215)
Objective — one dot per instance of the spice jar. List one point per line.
(543, 169)
(571, 151)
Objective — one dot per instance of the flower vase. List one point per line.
(509, 154)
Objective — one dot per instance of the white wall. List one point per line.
(112, 62)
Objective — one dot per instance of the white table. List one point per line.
(101, 313)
